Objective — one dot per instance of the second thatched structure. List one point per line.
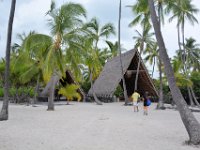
(111, 76)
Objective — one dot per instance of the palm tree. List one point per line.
(152, 55)
(141, 40)
(63, 22)
(191, 124)
(192, 59)
(95, 33)
(192, 54)
(141, 10)
(92, 61)
(120, 55)
(4, 110)
(183, 10)
(31, 58)
(160, 11)
(181, 79)
(113, 48)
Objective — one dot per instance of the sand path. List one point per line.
(86, 126)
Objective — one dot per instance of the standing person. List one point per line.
(145, 99)
(135, 96)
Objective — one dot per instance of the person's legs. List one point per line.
(135, 106)
(145, 110)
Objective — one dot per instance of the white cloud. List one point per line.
(30, 15)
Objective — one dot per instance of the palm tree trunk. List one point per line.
(51, 94)
(120, 56)
(185, 63)
(98, 102)
(191, 124)
(137, 73)
(36, 91)
(154, 63)
(183, 42)
(179, 41)
(160, 102)
(190, 96)
(4, 110)
(194, 96)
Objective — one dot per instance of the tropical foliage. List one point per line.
(74, 44)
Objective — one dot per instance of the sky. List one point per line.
(30, 15)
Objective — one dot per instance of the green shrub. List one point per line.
(12, 91)
(195, 77)
(119, 91)
(1, 92)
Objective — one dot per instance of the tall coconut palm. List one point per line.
(192, 54)
(140, 9)
(31, 58)
(98, 32)
(120, 55)
(191, 124)
(63, 21)
(152, 54)
(141, 41)
(95, 33)
(184, 10)
(4, 110)
(92, 61)
(192, 59)
(160, 11)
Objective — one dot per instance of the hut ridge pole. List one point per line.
(119, 48)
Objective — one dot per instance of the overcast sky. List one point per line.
(30, 15)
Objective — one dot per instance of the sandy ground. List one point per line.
(86, 126)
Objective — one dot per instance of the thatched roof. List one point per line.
(111, 77)
(68, 79)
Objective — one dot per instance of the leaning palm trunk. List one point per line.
(4, 111)
(191, 124)
(160, 102)
(190, 96)
(51, 94)
(194, 96)
(120, 55)
(98, 102)
(36, 91)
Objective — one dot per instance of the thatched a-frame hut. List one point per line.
(68, 79)
(111, 77)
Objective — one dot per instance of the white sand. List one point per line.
(86, 126)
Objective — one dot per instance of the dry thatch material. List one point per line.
(68, 79)
(110, 77)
